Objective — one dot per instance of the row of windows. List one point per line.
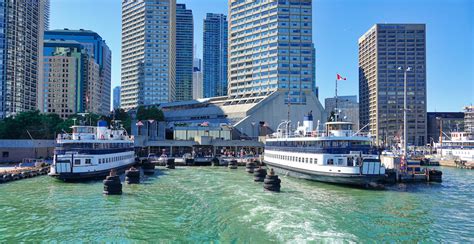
(318, 144)
(293, 158)
(112, 159)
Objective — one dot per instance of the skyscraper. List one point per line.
(61, 89)
(98, 91)
(116, 94)
(21, 40)
(385, 52)
(184, 53)
(271, 49)
(148, 52)
(215, 55)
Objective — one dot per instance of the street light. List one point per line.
(405, 141)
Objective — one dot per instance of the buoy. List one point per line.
(259, 174)
(132, 176)
(148, 167)
(271, 182)
(232, 164)
(112, 184)
(170, 163)
(249, 167)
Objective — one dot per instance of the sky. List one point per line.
(338, 24)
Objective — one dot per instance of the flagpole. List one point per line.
(336, 95)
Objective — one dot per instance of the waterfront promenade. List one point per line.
(216, 204)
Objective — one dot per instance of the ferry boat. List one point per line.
(91, 152)
(460, 146)
(338, 155)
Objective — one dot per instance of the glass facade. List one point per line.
(215, 55)
(63, 81)
(184, 53)
(382, 50)
(271, 49)
(116, 100)
(96, 48)
(148, 52)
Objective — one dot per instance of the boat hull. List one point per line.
(91, 175)
(357, 180)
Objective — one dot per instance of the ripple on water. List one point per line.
(218, 204)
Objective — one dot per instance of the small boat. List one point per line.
(91, 152)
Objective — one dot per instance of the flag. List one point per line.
(339, 77)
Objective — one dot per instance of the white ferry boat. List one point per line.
(90, 152)
(459, 146)
(338, 155)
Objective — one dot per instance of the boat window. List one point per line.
(350, 161)
(315, 161)
(330, 161)
(340, 161)
(88, 161)
(77, 162)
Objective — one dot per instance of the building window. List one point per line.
(5, 154)
(77, 162)
(88, 161)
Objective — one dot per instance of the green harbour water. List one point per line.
(210, 204)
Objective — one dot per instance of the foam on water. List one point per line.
(220, 205)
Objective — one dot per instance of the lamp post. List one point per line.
(405, 130)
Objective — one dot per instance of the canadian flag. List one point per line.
(339, 77)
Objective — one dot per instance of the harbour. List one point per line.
(228, 206)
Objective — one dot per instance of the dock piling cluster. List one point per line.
(249, 167)
(132, 176)
(148, 167)
(259, 174)
(271, 182)
(170, 163)
(232, 164)
(112, 184)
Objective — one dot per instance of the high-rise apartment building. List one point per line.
(148, 52)
(215, 55)
(385, 52)
(184, 53)
(97, 97)
(62, 86)
(70, 82)
(271, 49)
(21, 40)
(116, 98)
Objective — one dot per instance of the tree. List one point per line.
(153, 112)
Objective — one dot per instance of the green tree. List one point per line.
(153, 112)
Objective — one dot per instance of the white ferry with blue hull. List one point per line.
(337, 155)
(91, 152)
